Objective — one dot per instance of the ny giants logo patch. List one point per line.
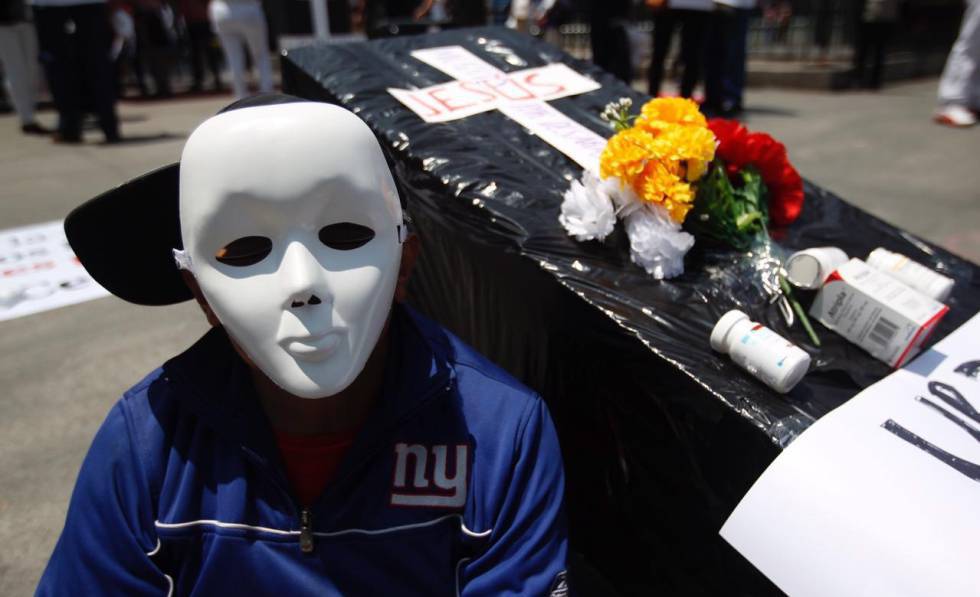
(430, 476)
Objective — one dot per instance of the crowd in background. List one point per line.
(92, 52)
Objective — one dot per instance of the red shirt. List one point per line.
(312, 460)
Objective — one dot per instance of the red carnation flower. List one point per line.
(737, 147)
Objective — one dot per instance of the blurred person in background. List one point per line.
(241, 23)
(156, 36)
(776, 17)
(876, 21)
(75, 39)
(200, 39)
(724, 72)
(610, 42)
(692, 18)
(125, 49)
(959, 87)
(465, 13)
(527, 13)
(499, 11)
(18, 54)
(823, 28)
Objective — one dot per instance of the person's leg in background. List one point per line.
(610, 45)
(234, 48)
(60, 68)
(663, 32)
(693, 32)
(212, 54)
(959, 87)
(715, 58)
(734, 77)
(880, 34)
(861, 45)
(197, 45)
(18, 53)
(232, 44)
(255, 31)
(93, 37)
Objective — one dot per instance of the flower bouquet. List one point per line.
(673, 177)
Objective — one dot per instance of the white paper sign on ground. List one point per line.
(39, 271)
(520, 95)
(880, 497)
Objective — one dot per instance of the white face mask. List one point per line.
(291, 224)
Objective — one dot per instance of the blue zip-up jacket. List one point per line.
(453, 487)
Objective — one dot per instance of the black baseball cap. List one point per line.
(125, 237)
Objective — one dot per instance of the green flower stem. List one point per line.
(623, 122)
(745, 220)
(798, 309)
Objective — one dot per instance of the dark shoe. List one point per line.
(34, 129)
(66, 139)
(113, 139)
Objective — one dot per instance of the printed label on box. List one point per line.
(878, 313)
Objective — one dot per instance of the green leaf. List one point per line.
(730, 214)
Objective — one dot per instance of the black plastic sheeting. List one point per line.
(661, 436)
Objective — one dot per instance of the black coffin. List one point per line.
(661, 437)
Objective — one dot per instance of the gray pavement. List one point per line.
(62, 370)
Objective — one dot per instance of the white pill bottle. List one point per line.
(916, 275)
(769, 357)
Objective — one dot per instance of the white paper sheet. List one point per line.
(880, 497)
(39, 271)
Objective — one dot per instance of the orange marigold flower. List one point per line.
(661, 182)
(687, 143)
(626, 154)
(679, 201)
(657, 114)
(667, 149)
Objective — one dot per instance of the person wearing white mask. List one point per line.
(322, 438)
(240, 24)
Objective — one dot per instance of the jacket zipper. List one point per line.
(306, 536)
(306, 531)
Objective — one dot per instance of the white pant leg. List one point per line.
(224, 24)
(255, 31)
(960, 83)
(234, 48)
(18, 51)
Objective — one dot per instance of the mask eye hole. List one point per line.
(244, 251)
(345, 236)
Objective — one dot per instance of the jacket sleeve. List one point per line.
(108, 536)
(528, 546)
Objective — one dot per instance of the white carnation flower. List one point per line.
(587, 212)
(657, 243)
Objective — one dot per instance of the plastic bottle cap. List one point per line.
(940, 288)
(876, 257)
(720, 332)
(803, 271)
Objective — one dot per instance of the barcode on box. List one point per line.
(883, 332)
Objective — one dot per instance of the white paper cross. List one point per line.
(521, 96)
